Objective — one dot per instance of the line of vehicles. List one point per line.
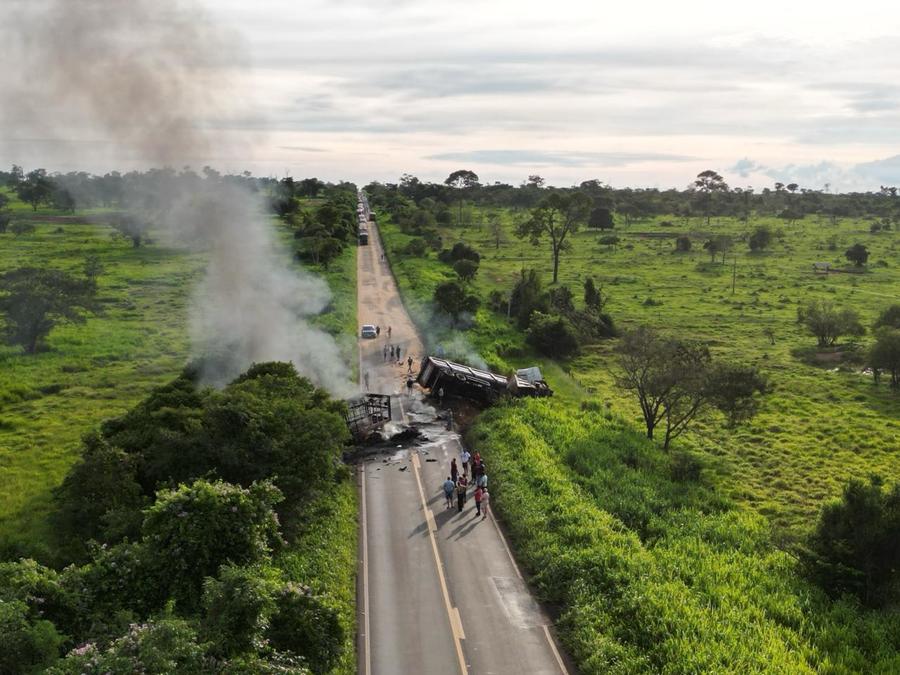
(364, 214)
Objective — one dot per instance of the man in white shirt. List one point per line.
(464, 457)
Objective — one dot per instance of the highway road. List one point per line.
(439, 591)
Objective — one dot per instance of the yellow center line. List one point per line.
(452, 612)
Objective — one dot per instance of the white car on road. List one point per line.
(368, 331)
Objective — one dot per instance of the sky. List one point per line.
(641, 94)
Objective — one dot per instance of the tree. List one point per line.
(719, 244)
(760, 239)
(93, 267)
(601, 218)
(676, 380)
(884, 355)
(132, 227)
(495, 227)
(307, 625)
(708, 184)
(526, 297)
(35, 300)
(856, 544)
(556, 216)
(827, 322)
(594, 300)
(462, 181)
(35, 189)
(552, 335)
(735, 389)
(857, 254)
(683, 244)
(889, 318)
(460, 251)
(465, 269)
(451, 297)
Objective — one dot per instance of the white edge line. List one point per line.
(365, 576)
(562, 665)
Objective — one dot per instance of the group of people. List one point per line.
(458, 483)
(396, 354)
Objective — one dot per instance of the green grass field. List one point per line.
(103, 367)
(683, 562)
(819, 426)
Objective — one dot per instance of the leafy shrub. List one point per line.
(26, 645)
(452, 298)
(236, 608)
(828, 323)
(416, 247)
(20, 227)
(858, 254)
(683, 244)
(196, 528)
(889, 317)
(760, 239)
(465, 269)
(306, 625)
(460, 251)
(157, 647)
(552, 335)
(856, 545)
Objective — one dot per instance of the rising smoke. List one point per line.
(141, 81)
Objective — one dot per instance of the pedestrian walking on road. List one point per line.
(392, 352)
(484, 503)
(399, 360)
(479, 493)
(389, 332)
(377, 331)
(449, 489)
(409, 364)
(366, 378)
(384, 351)
(461, 485)
(409, 386)
(464, 458)
(481, 481)
(454, 471)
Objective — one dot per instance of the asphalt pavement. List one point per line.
(439, 591)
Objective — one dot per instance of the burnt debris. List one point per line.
(478, 385)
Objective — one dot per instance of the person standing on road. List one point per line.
(389, 332)
(377, 331)
(449, 488)
(454, 470)
(461, 485)
(409, 386)
(399, 360)
(481, 480)
(479, 493)
(366, 378)
(409, 364)
(392, 352)
(384, 351)
(484, 503)
(464, 458)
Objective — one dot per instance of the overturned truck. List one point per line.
(479, 385)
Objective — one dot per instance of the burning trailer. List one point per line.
(367, 413)
(479, 385)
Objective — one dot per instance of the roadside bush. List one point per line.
(26, 645)
(157, 647)
(552, 335)
(194, 529)
(236, 608)
(99, 497)
(308, 626)
(856, 545)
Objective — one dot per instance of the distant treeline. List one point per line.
(707, 195)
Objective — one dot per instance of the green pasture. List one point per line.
(103, 367)
(824, 421)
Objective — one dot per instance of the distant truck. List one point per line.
(363, 236)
